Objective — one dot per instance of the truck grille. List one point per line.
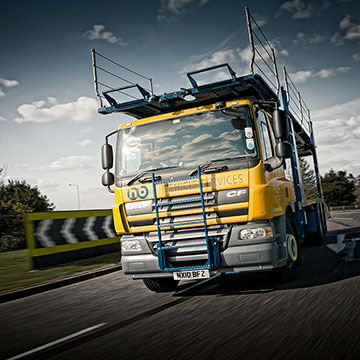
(192, 236)
(143, 213)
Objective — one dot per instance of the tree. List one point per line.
(17, 198)
(309, 179)
(339, 188)
(357, 189)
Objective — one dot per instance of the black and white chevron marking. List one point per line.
(53, 232)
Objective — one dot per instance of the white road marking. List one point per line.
(108, 228)
(339, 246)
(66, 232)
(41, 233)
(340, 218)
(88, 228)
(66, 338)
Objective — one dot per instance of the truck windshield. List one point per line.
(185, 142)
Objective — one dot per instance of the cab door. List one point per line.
(275, 179)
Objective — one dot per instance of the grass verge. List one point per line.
(15, 269)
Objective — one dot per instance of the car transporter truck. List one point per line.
(207, 179)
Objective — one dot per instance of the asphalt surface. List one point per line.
(316, 316)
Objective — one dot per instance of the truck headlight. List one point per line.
(255, 234)
(131, 245)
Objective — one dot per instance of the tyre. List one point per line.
(317, 238)
(323, 220)
(161, 285)
(286, 273)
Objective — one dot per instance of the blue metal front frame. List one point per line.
(299, 210)
(211, 243)
(312, 213)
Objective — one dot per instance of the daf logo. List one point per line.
(235, 193)
(138, 205)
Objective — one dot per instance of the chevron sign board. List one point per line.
(59, 237)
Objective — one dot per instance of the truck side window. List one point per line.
(264, 133)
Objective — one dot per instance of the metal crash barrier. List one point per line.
(59, 237)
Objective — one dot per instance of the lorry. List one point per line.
(208, 179)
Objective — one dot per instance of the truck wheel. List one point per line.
(286, 273)
(161, 285)
(317, 238)
(323, 221)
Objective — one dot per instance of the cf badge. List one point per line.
(236, 193)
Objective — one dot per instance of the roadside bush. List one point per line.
(10, 242)
(17, 198)
(339, 188)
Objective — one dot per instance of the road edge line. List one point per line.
(14, 295)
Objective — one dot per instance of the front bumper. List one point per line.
(239, 256)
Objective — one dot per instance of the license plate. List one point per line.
(191, 274)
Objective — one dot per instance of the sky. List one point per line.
(50, 131)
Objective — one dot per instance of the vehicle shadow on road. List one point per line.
(320, 266)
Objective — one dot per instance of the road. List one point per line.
(343, 220)
(317, 316)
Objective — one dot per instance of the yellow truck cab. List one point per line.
(207, 179)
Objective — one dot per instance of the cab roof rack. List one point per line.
(249, 86)
(141, 102)
(144, 103)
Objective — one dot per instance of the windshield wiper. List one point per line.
(142, 173)
(206, 164)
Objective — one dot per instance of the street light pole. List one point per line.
(78, 193)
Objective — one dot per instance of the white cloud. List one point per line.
(216, 58)
(327, 73)
(356, 57)
(85, 142)
(80, 110)
(298, 8)
(326, 4)
(8, 83)
(230, 56)
(51, 100)
(305, 39)
(352, 29)
(2, 119)
(71, 163)
(46, 185)
(261, 20)
(238, 59)
(171, 9)
(23, 166)
(304, 75)
(337, 39)
(349, 30)
(99, 32)
(338, 123)
(245, 54)
(175, 6)
(301, 76)
(337, 132)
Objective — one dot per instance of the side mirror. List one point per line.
(107, 157)
(108, 179)
(280, 125)
(283, 150)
